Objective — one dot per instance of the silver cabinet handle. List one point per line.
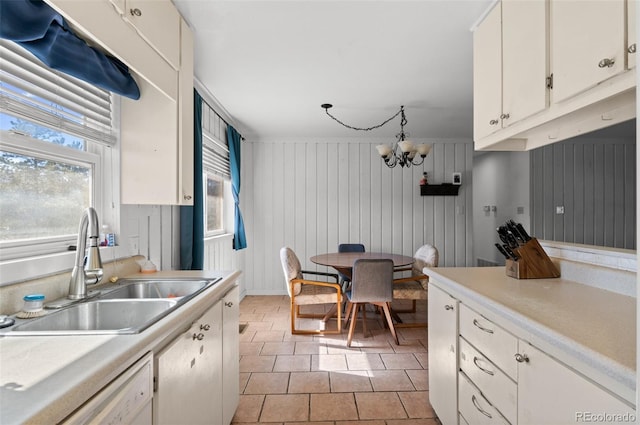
(199, 336)
(493, 122)
(135, 12)
(474, 400)
(479, 326)
(632, 48)
(228, 304)
(187, 197)
(205, 327)
(448, 307)
(504, 116)
(522, 358)
(487, 371)
(606, 63)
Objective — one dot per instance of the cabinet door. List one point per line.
(158, 22)
(631, 34)
(586, 36)
(524, 59)
(188, 375)
(230, 354)
(487, 75)
(551, 393)
(443, 355)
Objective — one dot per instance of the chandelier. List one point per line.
(403, 152)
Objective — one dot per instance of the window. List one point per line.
(216, 172)
(53, 131)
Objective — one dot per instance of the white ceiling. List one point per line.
(271, 64)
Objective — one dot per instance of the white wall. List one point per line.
(500, 179)
(312, 195)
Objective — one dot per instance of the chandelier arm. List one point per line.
(367, 128)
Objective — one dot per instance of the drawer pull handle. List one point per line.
(228, 304)
(487, 371)
(522, 358)
(493, 122)
(480, 409)
(205, 327)
(479, 326)
(448, 307)
(199, 336)
(606, 63)
(632, 48)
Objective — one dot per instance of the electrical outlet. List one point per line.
(560, 210)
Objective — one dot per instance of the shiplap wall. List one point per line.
(595, 181)
(313, 195)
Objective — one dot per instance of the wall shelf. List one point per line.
(439, 190)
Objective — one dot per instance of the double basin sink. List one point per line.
(128, 309)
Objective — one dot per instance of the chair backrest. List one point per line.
(291, 268)
(351, 247)
(372, 281)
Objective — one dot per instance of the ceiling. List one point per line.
(271, 64)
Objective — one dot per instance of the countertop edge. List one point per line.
(595, 366)
(55, 404)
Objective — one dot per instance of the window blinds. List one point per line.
(215, 150)
(32, 91)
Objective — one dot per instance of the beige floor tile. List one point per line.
(419, 378)
(249, 408)
(310, 347)
(285, 408)
(416, 403)
(309, 382)
(410, 346)
(412, 333)
(274, 348)
(259, 326)
(400, 361)
(247, 336)
(244, 378)
(328, 362)
(364, 361)
(380, 405)
(350, 381)
(333, 407)
(426, 421)
(268, 336)
(267, 383)
(423, 359)
(390, 380)
(372, 422)
(250, 348)
(375, 346)
(287, 363)
(257, 363)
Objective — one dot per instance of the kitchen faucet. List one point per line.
(87, 270)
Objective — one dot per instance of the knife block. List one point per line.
(533, 263)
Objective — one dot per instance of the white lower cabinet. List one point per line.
(443, 354)
(567, 397)
(500, 378)
(230, 354)
(188, 374)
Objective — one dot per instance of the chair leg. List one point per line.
(387, 313)
(352, 324)
(347, 314)
(364, 320)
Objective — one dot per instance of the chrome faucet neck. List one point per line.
(87, 269)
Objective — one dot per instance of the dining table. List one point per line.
(343, 261)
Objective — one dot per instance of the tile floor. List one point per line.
(294, 379)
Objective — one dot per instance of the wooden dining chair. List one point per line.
(307, 292)
(415, 287)
(371, 283)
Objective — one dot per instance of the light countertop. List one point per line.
(43, 379)
(592, 329)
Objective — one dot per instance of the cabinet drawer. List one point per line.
(491, 340)
(474, 407)
(501, 391)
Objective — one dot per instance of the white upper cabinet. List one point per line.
(158, 22)
(587, 44)
(510, 65)
(631, 34)
(487, 74)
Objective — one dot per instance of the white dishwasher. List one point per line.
(126, 400)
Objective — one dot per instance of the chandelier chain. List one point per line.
(367, 128)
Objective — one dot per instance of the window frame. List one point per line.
(26, 145)
(212, 233)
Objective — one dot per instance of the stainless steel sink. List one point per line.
(99, 317)
(157, 289)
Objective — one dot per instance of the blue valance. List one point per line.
(41, 30)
